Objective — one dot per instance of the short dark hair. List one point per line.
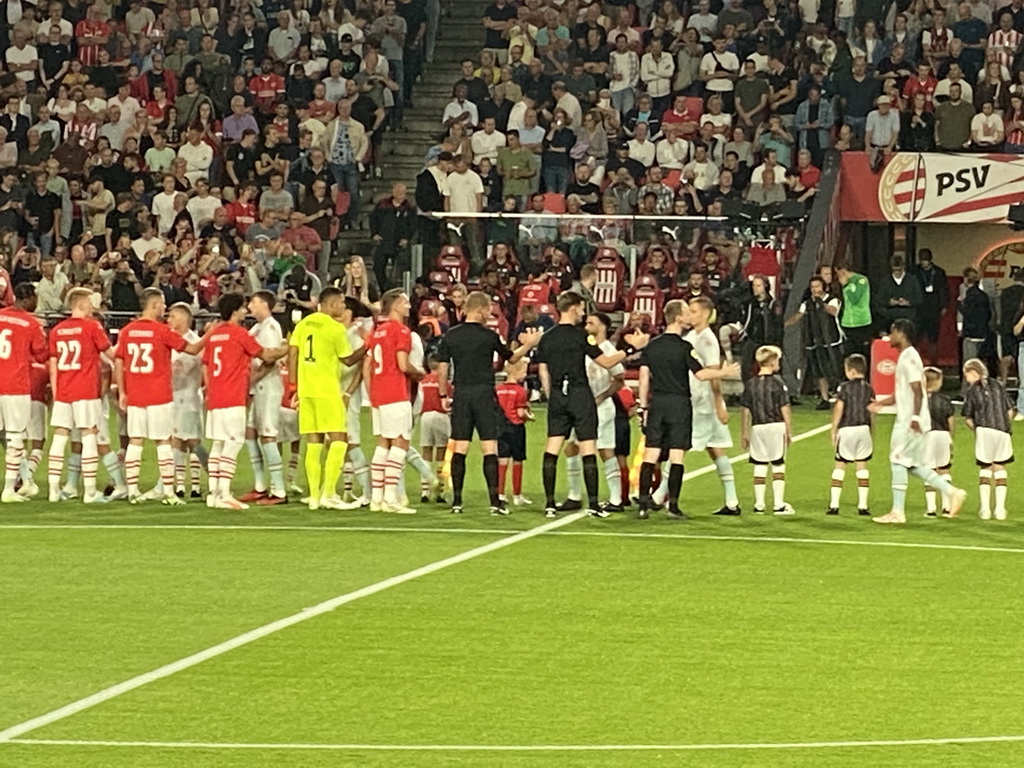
(24, 291)
(905, 326)
(858, 363)
(267, 297)
(603, 319)
(357, 308)
(330, 292)
(568, 300)
(229, 304)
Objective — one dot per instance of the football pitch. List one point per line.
(162, 637)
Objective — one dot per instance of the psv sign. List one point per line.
(933, 188)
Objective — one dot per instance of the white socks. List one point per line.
(863, 487)
(377, 468)
(727, 475)
(778, 485)
(226, 468)
(999, 476)
(985, 491)
(275, 467)
(836, 491)
(574, 474)
(256, 460)
(12, 459)
(90, 463)
(614, 479)
(393, 473)
(56, 461)
(760, 477)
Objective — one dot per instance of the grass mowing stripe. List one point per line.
(791, 745)
(252, 635)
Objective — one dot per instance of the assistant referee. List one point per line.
(562, 354)
(471, 347)
(665, 407)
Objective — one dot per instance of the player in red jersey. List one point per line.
(515, 404)
(37, 427)
(388, 370)
(21, 343)
(435, 423)
(76, 346)
(142, 373)
(227, 364)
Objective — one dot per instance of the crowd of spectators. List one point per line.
(197, 146)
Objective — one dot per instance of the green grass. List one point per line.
(578, 637)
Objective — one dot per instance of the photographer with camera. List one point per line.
(122, 294)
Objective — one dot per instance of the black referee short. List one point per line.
(669, 423)
(623, 438)
(475, 408)
(512, 442)
(576, 410)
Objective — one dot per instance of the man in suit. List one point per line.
(431, 185)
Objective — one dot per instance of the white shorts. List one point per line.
(354, 423)
(937, 450)
(992, 446)
(151, 422)
(82, 414)
(103, 431)
(226, 424)
(768, 443)
(392, 421)
(288, 431)
(435, 429)
(37, 421)
(15, 413)
(417, 404)
(265, 413)
(188, 423)
(606, 426)
(709, 432)
(854, 443)
(906, 447)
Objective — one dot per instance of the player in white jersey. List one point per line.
(913, 420)
(428, 480)
(353, 390)
(264, 426)
(604, 383)
(190, 456)
(710, 417)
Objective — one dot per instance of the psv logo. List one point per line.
(886, 367)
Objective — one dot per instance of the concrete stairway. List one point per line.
(461, 35)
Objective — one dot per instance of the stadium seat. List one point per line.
(554, 203)
(646, 298)
(497, 322)
(435, 309)
(611, 274)
(441, 282)
(452, 260)
(549, 310)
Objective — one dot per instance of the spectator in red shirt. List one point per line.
(142, 86)
(303, 239)
(925, 83)
(266, 87)
(92, 33)
(687, 120)
(804, 178)
(242, 212)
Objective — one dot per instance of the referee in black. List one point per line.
(470, 347)
(665, 407)
(562, 354)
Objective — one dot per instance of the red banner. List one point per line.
(932, 187)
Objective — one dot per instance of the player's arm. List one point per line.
(951, 425)
(528, 340)
(915, 420)
(356, 383)
(643, 393)
(410, 370)
(272, 355)
(877, 404)
(787, 413)
(119, 382)
(196, 347)
(545, 379)
(368, 369)
(745, 428)
(617, 382)
(837, 416)
(722, 372)
(52, 368)
(636, 341)
(355, 357)
(293, 364)
(442, 380)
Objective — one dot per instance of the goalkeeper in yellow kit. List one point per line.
(319, 346)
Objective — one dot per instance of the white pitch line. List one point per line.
(793, 745)
(276, 626)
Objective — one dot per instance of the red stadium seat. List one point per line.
(549, 310)
(497, 322)
(611, 275)
(646, 298)
(452, 260)
(554, 202)
(434, 308)
(441, 282)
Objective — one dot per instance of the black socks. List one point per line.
(550, 471)
(459, 477)
(490, 476)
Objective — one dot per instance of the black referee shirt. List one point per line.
(855, 395)
(670, 359)
(470, 348)
(565, 349)
(940, 408)
(765, 396)
(987, 403)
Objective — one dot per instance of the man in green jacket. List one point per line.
(855, 319)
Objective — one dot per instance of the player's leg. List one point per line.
(274, 464)
(427, 477)
(943, 485)
(517, 473)
(863, 487)
(180, 465)
(573, 476)
(378, 463)
(899, 495)
(549, 471)
(333, 463)
(650, 462)
(999, 479)
(294, 452)
(90, 466)
(14, 418)
(676, 469)
(985, 491)
(835, 492)
(135, 419)
(760, 486)
(62, 419)
(588, 460)
(779, 489)
(727, 476)
(213, 471)
(259, 480)
(74, 468)
(612, 478)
